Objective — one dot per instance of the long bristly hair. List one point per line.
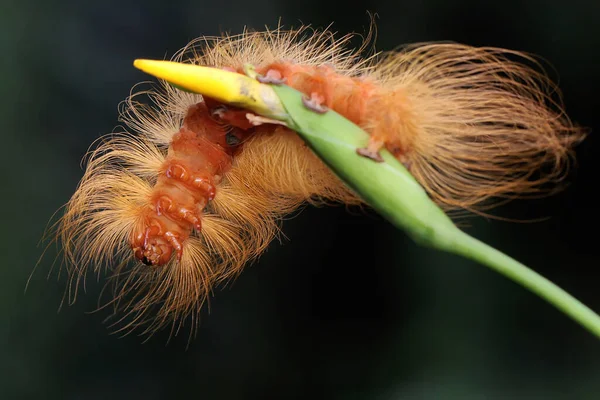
(483, 123)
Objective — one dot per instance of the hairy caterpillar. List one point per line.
(196, 192)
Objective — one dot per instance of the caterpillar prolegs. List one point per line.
(197, 190)
(198, 156)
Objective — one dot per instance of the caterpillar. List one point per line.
(195, 189)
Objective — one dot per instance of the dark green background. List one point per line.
(347, 308)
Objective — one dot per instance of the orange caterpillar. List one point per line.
(197, 191)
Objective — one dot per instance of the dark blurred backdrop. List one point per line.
(313, 318)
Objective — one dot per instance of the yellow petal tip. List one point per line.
(224, 86)
(139, 63)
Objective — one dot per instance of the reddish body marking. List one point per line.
(197, 158)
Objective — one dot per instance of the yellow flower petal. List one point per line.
(228, 87)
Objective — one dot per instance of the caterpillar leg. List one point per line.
(272, 76)
(392, 125)
(180, 173)
(166, 206)
(372, 150)
(317, 81)
(231, 116)
(315, 103)
(174, 241)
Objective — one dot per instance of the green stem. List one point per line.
(476, 250)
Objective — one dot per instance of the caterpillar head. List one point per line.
(151, 247)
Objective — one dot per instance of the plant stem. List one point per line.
(472, 248)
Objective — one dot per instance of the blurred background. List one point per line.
(347, 307)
